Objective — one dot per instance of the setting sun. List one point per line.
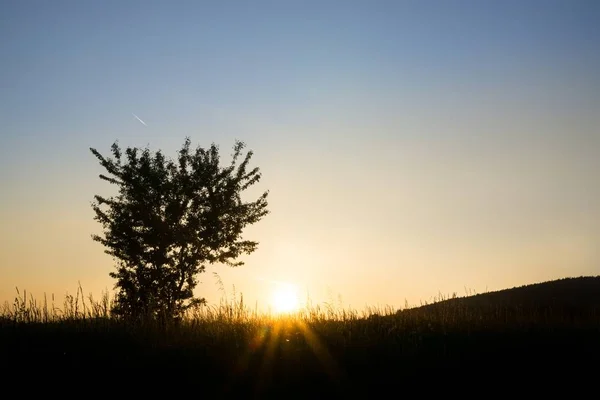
(285, 299)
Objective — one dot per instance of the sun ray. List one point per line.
(320, 351)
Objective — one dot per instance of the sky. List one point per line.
(411, 149)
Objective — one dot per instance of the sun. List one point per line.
(285, 299)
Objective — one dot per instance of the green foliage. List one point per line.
(170, 219)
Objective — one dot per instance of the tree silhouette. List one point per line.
(169, 220)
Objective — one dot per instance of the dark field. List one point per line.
(544, 336)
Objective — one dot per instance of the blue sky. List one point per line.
(409, 146)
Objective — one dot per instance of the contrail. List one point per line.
(139, 119)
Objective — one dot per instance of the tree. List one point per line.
(169, 220)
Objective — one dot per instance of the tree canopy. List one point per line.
(170, 219)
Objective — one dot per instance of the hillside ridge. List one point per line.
(581, 292)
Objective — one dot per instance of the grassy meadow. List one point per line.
(551, 330)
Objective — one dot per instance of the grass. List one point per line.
(231, 349)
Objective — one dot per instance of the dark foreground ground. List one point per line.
(529, 349)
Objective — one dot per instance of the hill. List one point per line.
(566, 297)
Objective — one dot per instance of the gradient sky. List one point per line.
(411, 148)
